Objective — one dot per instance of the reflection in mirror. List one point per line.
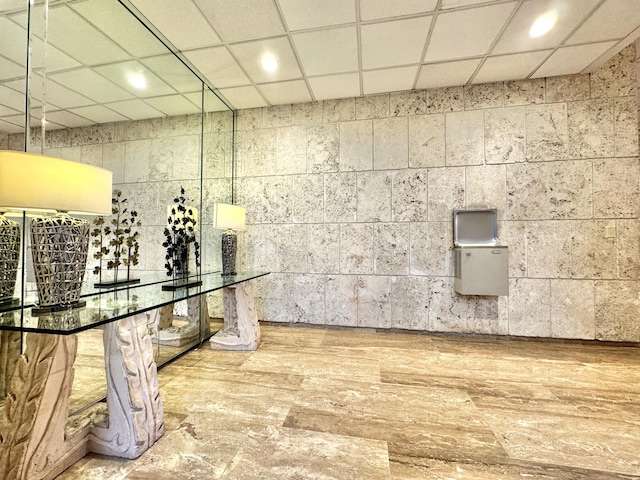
(114, 96)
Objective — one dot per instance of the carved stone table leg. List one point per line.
(136, 417)
(32, 439)
(198, 314)
(241, 330)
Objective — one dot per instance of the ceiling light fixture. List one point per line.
(269, 63)
(543, 24)
(137, 80)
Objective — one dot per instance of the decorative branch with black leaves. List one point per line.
(179, 233)
(119, 238)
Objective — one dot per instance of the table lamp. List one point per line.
(59, 242)
(228, 218)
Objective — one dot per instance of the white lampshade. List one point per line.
(36, 182)
(228, 217)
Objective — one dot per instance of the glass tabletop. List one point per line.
(113, 304)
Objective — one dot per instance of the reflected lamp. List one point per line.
(229, 218)
(52, 189)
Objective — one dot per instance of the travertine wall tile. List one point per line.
(530, 307)
(617, 77)
(323, 147)
(549, 249)
(324, 248)
(217, 155)
(504, 135)
(291, 150)
(445, 192)
(524, 92)
(277, 199)
(186, 157)
(616, 187)
(413, 102)
(484, 95)
(373, 196)
(465, 138)
(488, 315)
(277, 300)
(593, 255)
(547, 135)
(249, 195)
(277, 116)
(340, 197)
(448, 311)
(256, 152)
(356, 248)
(91, 154)
(4, 141)
(293, 247)
(391, 249)
(486, 187)
(409, 198)
(262, 248)
(342, 300)
(390, 143)
(309, 293)
(307, 113)
(573, 310)
(431, 249)
(136, 168)
(249, 119)
(617, 300)
(113, 158)
(626, 126)
(567, 88)
(161, 159)
(341, 110)
(307, 198)
(374, 301)
(513, 234)
(628, 248)
(448, 99)
(590, 127)
(356, 145)
(372, 106)
(426, 141)
(410, 303)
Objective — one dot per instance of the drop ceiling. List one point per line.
(326, 49)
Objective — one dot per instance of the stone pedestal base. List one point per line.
(241, 329)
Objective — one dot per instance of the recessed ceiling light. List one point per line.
(543, 24)
(269, 63)
(137, 80)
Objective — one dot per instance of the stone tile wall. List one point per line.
(349, 205)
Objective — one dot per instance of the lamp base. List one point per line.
(59, 247)
(229, 248)
(9, 255)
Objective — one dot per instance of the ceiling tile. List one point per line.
(88, 83)
(516, 36)
(250, 54)
(335, 86)
(119, 74)
(467, 33)
(8, 127)
(12, 98)
(334, 50)
(446, 4)
(376, 9)
(9, 69)
(211, 102)
(98, 114)
(172, 105)
(301, 14)
(68, 119)
(11, 5)
(4, 111)
(118, 24)
(294, 91)
(173, 71)
(446, 74)
(621, 17)
(242, 19)
(134, 109)
(244, 97)
(217, 64)
(570, 60)
(399, 42)
(56, 94)
(509, 67)
(74, 36)
(180, 21)
(389, 80)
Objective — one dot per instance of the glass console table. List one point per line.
(37, 409)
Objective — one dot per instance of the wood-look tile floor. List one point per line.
(315, 403)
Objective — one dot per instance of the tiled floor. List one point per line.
(316, 403)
